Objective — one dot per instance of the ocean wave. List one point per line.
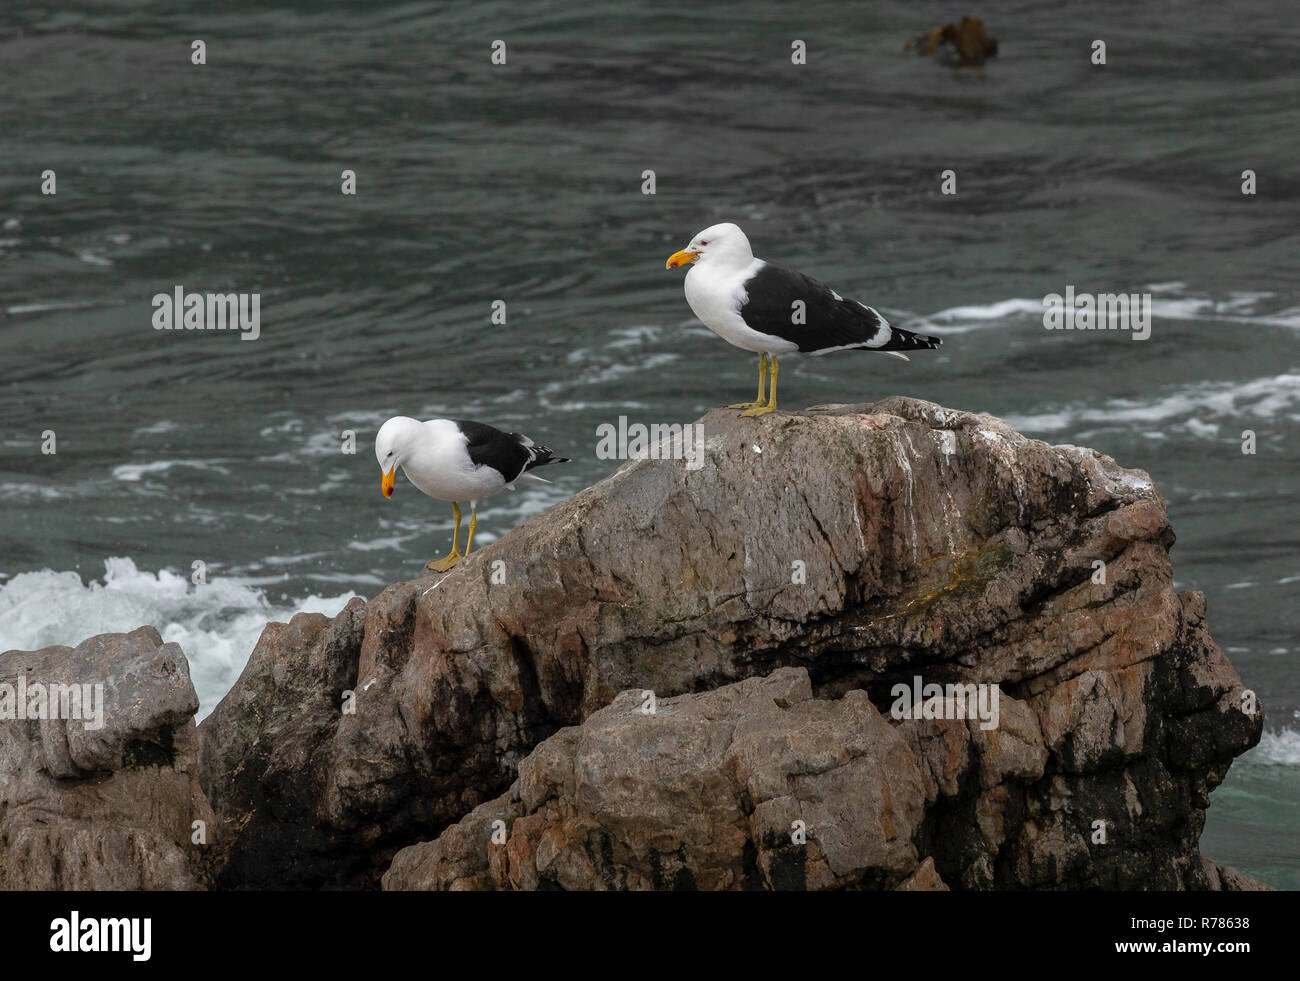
(1277, 747)
(1191, 406)
(1168, 302)
(217, 624)
(55, 305)
(132, 472)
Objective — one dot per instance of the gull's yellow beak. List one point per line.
(682, 258)
(390, 478)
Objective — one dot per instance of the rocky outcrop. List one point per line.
(862, 546)
(1224, 879)
(754, 785)
(98, 776)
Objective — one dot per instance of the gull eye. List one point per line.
(704, 243)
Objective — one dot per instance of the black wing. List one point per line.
(510, 454)
(828, 320)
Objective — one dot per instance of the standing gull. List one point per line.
(761, 306)
(456, 461)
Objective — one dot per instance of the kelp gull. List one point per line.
(457, 460)
(764, 307)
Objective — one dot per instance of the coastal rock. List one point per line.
(924, 879)
(1225, 879)
(867, 546)
(964, 43)
(756, 785)
(269, 769)
(101, 791)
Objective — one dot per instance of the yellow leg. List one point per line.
(473, 523)
(762, 410)
(762, 386)
(452, 557)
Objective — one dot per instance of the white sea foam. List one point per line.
(27, 491)
(953, 317)
(1238, 307)
(1277, 747)
(216, 624)
(1193, 407)
(156, 428)
(47, 307)
(132, 472)
(638, 336)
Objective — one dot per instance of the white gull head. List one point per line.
(719, 247)
(394, 445)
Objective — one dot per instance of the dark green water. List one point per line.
(522, 183)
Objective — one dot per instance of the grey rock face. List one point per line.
(754, 785)
(101, 799)
(864, 544)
